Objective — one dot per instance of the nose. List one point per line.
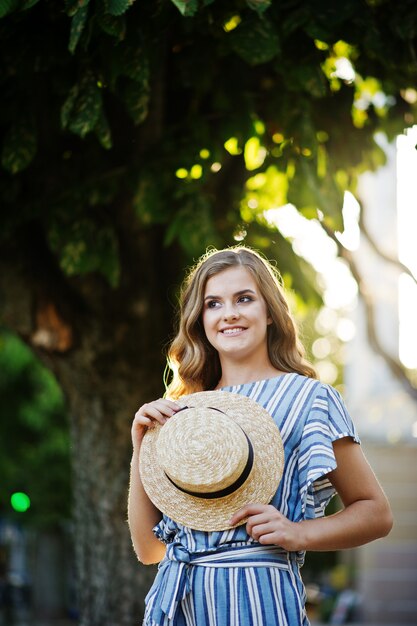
(230, 313)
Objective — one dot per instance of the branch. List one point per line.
(394, 365)
(381, 253)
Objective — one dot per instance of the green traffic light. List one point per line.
(20, 501)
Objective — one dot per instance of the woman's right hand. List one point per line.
(156, 412)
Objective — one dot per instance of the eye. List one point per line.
(212, 304)
(245, 299)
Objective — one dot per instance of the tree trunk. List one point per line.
(108, 359)
(112, 584)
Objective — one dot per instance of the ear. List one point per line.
(269, 320)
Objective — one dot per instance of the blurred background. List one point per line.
(133, 136)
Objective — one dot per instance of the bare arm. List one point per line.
(141, 513)
(366, 515)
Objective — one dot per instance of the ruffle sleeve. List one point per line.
(327, 421)
(166, 530)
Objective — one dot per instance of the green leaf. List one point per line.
(128, 60)
(293, 20)
(78, 23)
(131, 62)
(73, 6)
(136, 98)
(117, 7)
(134, 63)
(19, 147)
(307, 78)
(112, 25)
(149, 202)
(193, 227)
(103, 132)
(84, 246)
(259, 5)
(82, 108)
(8, 6)
(307, 191)
(68, 106)
(188, 8)
(256, 41)
(103, 191)
(28, 4)
(403, 24)
(264, 191)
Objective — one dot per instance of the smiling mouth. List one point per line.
(232, 331)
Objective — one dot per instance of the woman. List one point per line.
(236, 334)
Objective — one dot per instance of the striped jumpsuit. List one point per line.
(229, 579)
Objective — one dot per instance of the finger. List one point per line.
(141, 420)
(168, 406)
(156, 410)
(261, 529)
(257, 520)
(269, 539)
(238, 516)
(246, 511)
(151, 415)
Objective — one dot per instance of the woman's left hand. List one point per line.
(268, 526)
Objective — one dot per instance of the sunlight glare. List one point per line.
(326, 321)
(310, 241)
(321, 348)
(350, 237)
(346, 329)
(344, 70)
(327, 371)
(407, 230)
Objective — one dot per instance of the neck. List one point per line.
(241, 373)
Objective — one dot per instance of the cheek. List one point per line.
(206, 320)
(209, 321)
(266, 314)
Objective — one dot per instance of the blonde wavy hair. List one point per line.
(193, 364)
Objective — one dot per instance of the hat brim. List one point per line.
(260, 487)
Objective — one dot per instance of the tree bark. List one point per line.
(111, 583)
(112, 363)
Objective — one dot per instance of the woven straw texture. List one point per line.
(206, 452)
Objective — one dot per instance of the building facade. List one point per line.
(384, 411)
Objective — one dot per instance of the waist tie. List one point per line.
(173, 579)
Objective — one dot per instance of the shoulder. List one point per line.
(331, 395)
(300, 384)
(320, 390)
(318, 397)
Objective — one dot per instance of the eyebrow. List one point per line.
(238, 293)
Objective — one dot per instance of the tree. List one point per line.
(34, 442)
(135, 134)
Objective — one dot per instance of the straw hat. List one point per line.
(218, 453)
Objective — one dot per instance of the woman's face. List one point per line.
(235, 316)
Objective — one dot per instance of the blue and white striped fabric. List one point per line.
(228, 579)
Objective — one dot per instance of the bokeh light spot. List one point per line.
(20, 501)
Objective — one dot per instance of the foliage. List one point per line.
(132, 136)
(34, 439)
(109, 102)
